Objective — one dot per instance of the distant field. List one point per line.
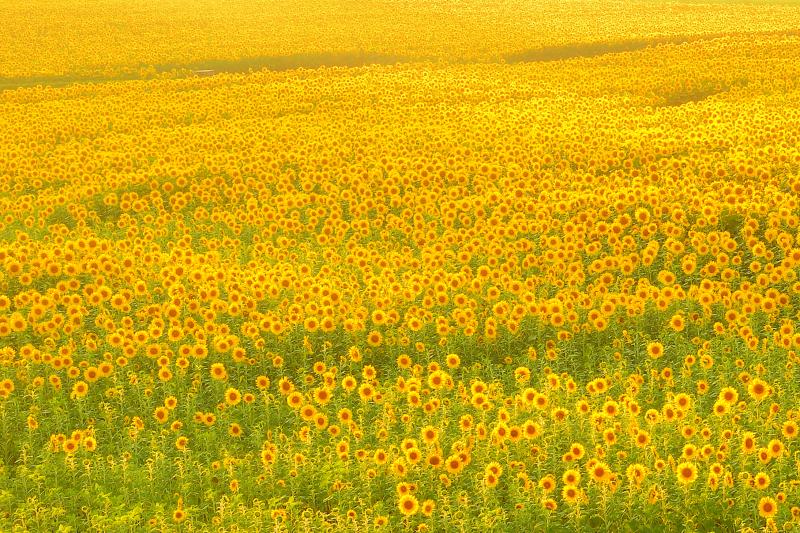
(122, 39)
(445, 266)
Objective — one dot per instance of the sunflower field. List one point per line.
(399, 265)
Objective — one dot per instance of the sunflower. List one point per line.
(480, 401)
(233, 396)
(375, 339)
(90, 444)
(758, 389)
(262, 382)
(547, 483)
(436, 379)
(408, 504)
(380, 457)
(179, 515)
(642, 438)
(70, 446)
(322, 396)
(767, 507)
(295, 400)
(413, 455)
(453, 361)
(571, 477)
(405, 488)
(354, 353)
(572, 494)
(161, 414)
(434, 460)
(404, 361)
(430, 434)
(729, 395)
(764, 455)
(749, 444)
(428, 507)
(677, 323)
(366, 391)
(776, 448)
(349, 383)
(531, 429)
(686, 473)
(577, 450)
(164, 374)
(761, 481)
(790, 429)
(655, 350)
(80, 389)
(320, 421)
(600, 472)
(636, 473)
(494, 467)
(454, 464)
(218, 372)
(721, 408)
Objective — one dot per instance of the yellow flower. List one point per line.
(90, 444)
(761, 481)
(790, 429)
(179, 515)
(571, 477)
(218, 372)
(232, 396)
(655, 350)
(572, 494)
(767, 507)
(408, 504)
(428, 507)
(686, 473)
(758, 389)
(80, 389)
(600, 472)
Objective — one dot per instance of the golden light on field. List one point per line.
(539, 271)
